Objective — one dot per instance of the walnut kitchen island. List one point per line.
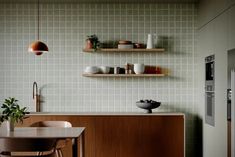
(124, 134)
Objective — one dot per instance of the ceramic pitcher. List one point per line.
(150, 41)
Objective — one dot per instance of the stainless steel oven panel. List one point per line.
(210, 108)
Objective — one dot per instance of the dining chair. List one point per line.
(60, 143)
(27, 147)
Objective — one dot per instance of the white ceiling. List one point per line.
(100, 1)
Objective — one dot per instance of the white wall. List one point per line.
(214, 39)
(210, 9)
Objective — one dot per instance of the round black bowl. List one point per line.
(148, 106)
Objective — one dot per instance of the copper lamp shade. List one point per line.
(38, 47)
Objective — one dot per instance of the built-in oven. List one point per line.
(209, 90)
(210, 108)
(210, 72)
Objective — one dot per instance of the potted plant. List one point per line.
(12, 113)
(92, 42)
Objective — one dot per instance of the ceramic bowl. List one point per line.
(104, 69)
(91, 70)
(139, 68)
(148, 106)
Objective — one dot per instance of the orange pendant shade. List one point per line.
(38, 47)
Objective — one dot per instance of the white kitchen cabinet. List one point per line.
(213, 40)
(220, 45)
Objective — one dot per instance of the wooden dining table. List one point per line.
(76, 133)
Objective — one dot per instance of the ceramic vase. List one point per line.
(10, 126)
(89, 44)
(151, 40)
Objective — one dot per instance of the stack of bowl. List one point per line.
(125, 44)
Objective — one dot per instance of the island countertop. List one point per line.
(124, 133)
(109, 113)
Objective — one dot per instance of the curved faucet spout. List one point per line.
(35, 87)
(36, 96)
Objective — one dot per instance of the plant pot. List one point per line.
(10, 126)
(89, 44)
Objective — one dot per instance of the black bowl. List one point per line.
(148, 106)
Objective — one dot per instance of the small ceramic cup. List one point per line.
(139, 68)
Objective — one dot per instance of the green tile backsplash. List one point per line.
(64, 28)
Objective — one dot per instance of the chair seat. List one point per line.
(27, 147)
(60, 143)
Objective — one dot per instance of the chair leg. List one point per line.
(57, 153)
(60, 152)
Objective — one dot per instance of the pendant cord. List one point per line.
(38, 19)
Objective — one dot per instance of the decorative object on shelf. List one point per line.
(89, 44)
(129, 68)
(116, 70)
(139, 68)
(38, 47)
(158, 70)
(91, 70)
(12, 113)
(139, 45)
(125, 44)
(150, 41)
(119, 70)
(92, 42)
(150, 69)
(111, 71)
(148, 105)
(104, 69)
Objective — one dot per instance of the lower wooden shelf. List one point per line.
(123, 75)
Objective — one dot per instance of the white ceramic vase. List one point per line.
(10, 126)
(151, 40)
(139, 68)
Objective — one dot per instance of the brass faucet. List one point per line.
(36, 96)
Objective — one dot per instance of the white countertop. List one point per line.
(109, 113)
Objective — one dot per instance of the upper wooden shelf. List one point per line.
(123, 75)
(125, 50)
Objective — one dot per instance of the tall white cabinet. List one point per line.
(216, 36)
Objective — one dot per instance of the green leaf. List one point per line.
(13, 111)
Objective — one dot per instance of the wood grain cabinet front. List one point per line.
(126, 136)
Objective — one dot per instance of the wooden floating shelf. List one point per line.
(123, 75)
(125, 50)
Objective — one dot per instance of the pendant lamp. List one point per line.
(38, 47)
